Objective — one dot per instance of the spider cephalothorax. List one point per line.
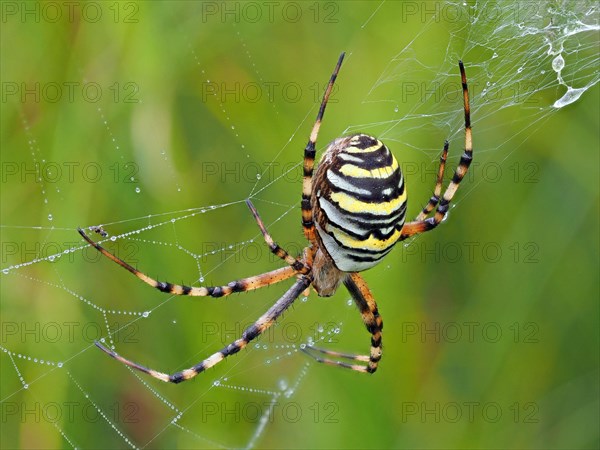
(353, 214)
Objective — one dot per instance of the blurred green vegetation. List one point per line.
(491, 321)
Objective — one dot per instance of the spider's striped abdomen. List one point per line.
(359, 202)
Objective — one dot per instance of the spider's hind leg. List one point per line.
(367, 306)
(252, 332)
(423, 224)
(437, 190)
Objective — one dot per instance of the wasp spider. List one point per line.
(353, 212)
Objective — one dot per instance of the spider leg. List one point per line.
(250, 333)
(437, 191)
(298, 265)
(420, 226)
(367, 306)
(242, 285)
(355, 357)
(309, 161)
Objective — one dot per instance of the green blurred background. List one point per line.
(491, 321)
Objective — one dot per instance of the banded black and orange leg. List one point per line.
(250, 333)
(437, 190)
(367, 306)
(420, 226)
(298, 265)
(309, 161)
(242, 285)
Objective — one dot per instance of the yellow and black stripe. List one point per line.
(359, 202)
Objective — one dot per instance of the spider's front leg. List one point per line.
(367, 306)
(310, 151)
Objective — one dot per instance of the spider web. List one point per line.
(202, 118)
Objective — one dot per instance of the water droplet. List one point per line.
(558, 63)
(216, 383)
(59, 364)
(258, 176)
(396, 109)
(50, 217)
(570, 96)
(137, 190)
(145, 313)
